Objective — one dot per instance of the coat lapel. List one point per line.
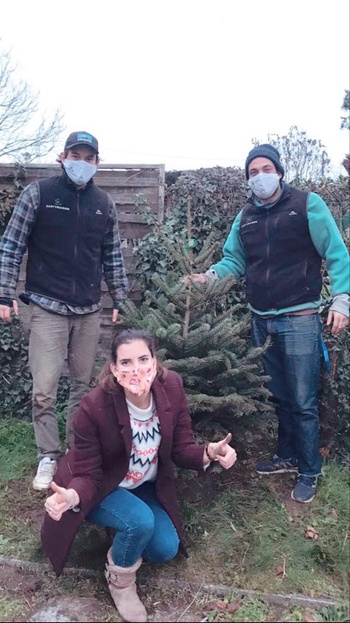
(123, 418)
(163, 407)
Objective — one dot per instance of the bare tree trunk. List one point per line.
(190, 257)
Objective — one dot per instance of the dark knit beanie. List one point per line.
(264, 151)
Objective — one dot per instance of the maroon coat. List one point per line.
(99, 460)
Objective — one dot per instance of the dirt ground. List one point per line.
(33, 593)
(35, 596)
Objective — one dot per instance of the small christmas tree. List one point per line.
(208, 345)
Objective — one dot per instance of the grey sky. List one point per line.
(187, 83)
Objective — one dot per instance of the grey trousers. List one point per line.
(54, 339)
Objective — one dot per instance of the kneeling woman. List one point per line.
(119, 473)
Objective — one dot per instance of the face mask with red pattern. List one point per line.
(138, 381)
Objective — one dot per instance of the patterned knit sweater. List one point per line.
(146, 438)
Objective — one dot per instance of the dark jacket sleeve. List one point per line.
(87, 473)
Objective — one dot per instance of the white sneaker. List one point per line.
(45, 473)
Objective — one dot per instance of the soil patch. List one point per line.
(170, 592)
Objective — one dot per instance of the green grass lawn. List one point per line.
(263, 540)
(243, 530)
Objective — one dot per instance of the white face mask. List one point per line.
(79, 171)
(264, 185)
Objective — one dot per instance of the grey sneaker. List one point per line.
(305, 489)
(45, 473)
(276, 465)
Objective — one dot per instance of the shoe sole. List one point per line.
(302, 501)
(37, 487)
(278, 471)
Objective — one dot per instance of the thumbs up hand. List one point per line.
(61, 501)
(222, 452)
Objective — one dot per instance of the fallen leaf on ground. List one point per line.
(324, 452)
(280, 570)
(221, 605)
(311, 533)
(233, 607)
(309, 616)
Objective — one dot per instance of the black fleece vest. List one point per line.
(64, 247)
(283, 266)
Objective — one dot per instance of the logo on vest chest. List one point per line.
(249, 223)
(57, 205)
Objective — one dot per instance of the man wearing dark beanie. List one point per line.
(264, 151)
(278, 241)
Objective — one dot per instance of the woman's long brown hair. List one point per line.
(107, 380)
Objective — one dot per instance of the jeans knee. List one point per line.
(306, 408)
(168, 551)
(144, 526)
(162, 549)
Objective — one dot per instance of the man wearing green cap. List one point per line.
(278, 241)
(70, 228)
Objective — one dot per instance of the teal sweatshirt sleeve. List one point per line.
(234, 259)
(329, 244)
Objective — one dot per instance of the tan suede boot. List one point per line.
(121, 583)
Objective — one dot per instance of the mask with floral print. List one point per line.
(138, 381)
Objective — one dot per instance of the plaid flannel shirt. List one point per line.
(13, 245)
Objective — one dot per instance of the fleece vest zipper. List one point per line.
(65, 245)
(283, 266)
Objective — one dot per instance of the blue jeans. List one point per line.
(143, 527)
(293, 361)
